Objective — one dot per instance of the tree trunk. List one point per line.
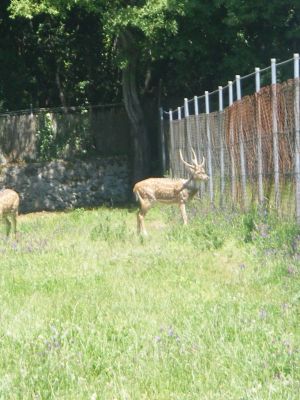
(139, 134)
(60, 88)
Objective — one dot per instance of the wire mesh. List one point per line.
(40, 134)
(252, 147)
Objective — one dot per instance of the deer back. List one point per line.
(160, 189)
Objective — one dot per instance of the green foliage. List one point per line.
(276, 235)
(109, 231)
(202, 234)
(271, 235)
(61, 136)
(46, 138)
(59, 60)
(249, 226)
(90, 312)
(210, 40)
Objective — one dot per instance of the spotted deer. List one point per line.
(9, 205)
(167, 190)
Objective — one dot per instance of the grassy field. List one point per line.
(91, 311)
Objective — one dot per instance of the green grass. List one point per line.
(88, 310)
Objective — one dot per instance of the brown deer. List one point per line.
(167, 190)
(9, 205)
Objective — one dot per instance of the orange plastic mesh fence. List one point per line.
(235, 137)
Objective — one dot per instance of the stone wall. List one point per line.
(59, 185)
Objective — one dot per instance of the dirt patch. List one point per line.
(24, 217)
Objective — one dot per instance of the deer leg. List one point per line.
(183, 213)
(140, 217)
(7, 224)
(14, 224)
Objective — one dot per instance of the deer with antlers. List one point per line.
(167, 190)
(9, 205)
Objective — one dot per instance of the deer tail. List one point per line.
(139, 197)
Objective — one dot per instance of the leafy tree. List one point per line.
(217, 39)
(49, 61)
(134, 29)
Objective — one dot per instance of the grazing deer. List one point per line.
(167, 190)
(9, 205)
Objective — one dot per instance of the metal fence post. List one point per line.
(181, 169)
(179, 113)
(188, 126)
(231, 147)
(186, 108)
(209, 159)
(275, 134)
(198, 133)
(162, 141)
(172, 155)
(196, 105)
(297, 134)
(199, 144)
(220, 133)
(259, 139)
(241, 140)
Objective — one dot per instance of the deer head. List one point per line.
(196, 170)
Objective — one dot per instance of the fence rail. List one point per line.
(251, 145)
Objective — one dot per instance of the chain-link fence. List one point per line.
(60, 133)
(251, 146)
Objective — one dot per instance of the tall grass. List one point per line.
(89, 310)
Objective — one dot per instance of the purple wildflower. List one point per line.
(170, 331)
(262, 314)
(157, 339)
(291, 270)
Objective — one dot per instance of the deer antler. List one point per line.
(184, 162)
(194, 158)
(203, 162)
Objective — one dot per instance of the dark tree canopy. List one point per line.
(188, 46)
